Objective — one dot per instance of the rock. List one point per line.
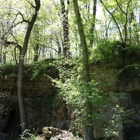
(3, 136)
(42, 137)
(9, 118)
(65, 136)
(55, 133)
(4, 119)
(48, 132)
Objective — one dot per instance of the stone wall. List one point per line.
(42, 106)
(45, 109)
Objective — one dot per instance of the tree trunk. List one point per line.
(36, 47)
(93, 22)
(36, 55)
(85, 71)
(23, 116)
(65, 22)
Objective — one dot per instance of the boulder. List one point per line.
(55, 133)
(49, 132)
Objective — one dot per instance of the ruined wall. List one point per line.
(44, 108)
(42, 105)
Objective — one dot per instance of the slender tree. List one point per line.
(85, 70)
(65, 22)
(36, 43)
(23, 117)
(93, 22)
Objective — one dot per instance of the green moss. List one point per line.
(8, 70)
(41, 68)
(129, 72)
(30, 71)
(116, 53)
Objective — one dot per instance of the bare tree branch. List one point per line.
(30, 3)
(106, 32)
(7, 43)
(52, 49)
(120, 7)
(13, 24)
(121, 36)
(23, 19)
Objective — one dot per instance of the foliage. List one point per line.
(31, 72)
(34, 136)
(71, 137)
(77, 95)
(47, 32)
(112, 52)
(107, 51)
(132, 54)
(8, 69)
(27, 135)
(42, 68)
(129, 72)
(120, 115)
